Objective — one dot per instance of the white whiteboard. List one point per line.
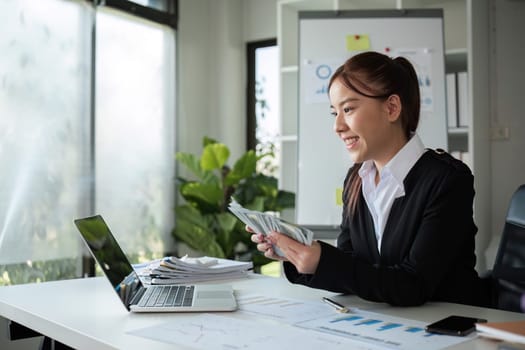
(326, 40)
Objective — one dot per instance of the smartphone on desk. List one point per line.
(454, 325)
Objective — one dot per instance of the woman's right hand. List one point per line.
(264, 245)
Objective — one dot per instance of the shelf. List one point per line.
(458, 131)
(289, 69)
(287, 138)
(301, 5)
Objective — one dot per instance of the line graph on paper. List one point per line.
(196, 331)
(208, 331)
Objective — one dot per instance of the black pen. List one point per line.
(336, 305)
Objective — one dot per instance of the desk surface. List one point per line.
(56, 309)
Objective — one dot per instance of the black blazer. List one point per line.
(427, 250)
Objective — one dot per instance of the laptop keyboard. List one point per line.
(163, 296)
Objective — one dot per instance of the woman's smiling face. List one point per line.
(363, 123)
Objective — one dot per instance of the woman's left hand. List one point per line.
(304, 258)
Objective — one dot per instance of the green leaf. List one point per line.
(214, 156)
(243, 168)
(210, 177)
(227, 236)
(267, 184)
(226, 221)
(198, 239)
(208, 141)
(258, 185)
(195, 230)
(191, 162)
(209, 193)
(256, 204)
(286, 199)
(188, 213)
(283, 200)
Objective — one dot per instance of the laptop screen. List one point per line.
(110, 257)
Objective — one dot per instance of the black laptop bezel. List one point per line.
(136, 292)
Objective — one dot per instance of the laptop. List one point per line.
(137, 297)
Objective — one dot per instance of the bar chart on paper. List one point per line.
(383, 331)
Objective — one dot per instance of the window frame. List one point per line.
(251, 102)
(168, 16)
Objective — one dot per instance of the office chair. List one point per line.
(509, 267)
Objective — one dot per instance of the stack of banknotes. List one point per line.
(264, 223)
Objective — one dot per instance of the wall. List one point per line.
(260, 19)
(478, 135)
(193, 71)
(212, 39)
(454, 14)
(508, 55)
(211, 71)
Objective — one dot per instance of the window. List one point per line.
(44, 135)
(80, 135)
(263, 126)
(135, 129)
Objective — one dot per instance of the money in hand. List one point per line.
(264, 223)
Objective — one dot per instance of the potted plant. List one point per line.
(203, 221)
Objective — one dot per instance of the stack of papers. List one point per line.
(264, 223)
(173, 270)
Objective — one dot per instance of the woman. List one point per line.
(407, 232)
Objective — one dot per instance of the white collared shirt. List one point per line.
(380, 198)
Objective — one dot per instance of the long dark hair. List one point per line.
(375, 75)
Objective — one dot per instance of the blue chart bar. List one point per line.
(368, 322)
(389, 326)
(414, 329)
(348, 318)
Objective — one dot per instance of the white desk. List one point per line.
(86, 314)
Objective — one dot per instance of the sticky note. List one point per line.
(339, 197)
(357, 42)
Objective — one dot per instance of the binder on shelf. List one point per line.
(462, 98)
(452, 106)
